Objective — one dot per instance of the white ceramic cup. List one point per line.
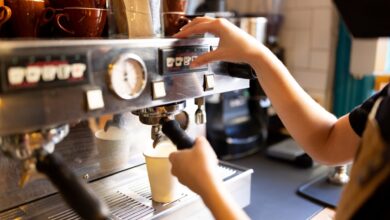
(114, 147)
(164, 186)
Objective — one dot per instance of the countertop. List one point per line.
(274, 187)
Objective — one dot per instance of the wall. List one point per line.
(309, 36)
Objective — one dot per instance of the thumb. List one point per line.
(206, 58)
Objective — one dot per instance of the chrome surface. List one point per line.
(128, 195)
(111, 166)
(54, 105)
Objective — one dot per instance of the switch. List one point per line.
(64, 71)
(49, 73)
(16, 75)
(158, 90)
(78, 70)
(33, 74)
(170, 62)
(179, 61)
(187, 61)
(95, 99)
(209, 82)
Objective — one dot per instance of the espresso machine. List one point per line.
(57, 94)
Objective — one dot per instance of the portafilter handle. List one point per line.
(75, 192)
(172, 129)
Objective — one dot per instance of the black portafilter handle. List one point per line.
(241, 70)
(75, 192)
(172, 129)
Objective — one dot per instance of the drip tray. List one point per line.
(128, 196)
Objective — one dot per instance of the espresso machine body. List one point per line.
(80, 83)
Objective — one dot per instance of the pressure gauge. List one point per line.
(127, 76)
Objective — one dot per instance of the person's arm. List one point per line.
(323, 136)
(197, 169)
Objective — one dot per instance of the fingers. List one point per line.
(196, 21)
(200, 26)
(206, 58)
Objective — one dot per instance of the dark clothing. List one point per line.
(376, 205)
(358, 116)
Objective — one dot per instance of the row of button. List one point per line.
(33, 74)
(180, 61)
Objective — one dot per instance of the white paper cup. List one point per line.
(113, 147)
(164, 186)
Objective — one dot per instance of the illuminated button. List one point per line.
(33, 74)
(78, 70)
(158, 90)
(179, 61)
(209, 82)
(170, 62)
(64, 71)
(49, 73)
(187, 61)
(95, 99)
(16, 75)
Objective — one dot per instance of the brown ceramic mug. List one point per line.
(26, 15)
(82, 22)
(174, 21)
(73, 3)
(174, 5)
(5, 13)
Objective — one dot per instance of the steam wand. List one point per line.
(36, 150)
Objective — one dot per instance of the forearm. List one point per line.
(308, 122)
(220, 202)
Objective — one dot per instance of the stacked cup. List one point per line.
(80, 18)
(59, 18)
(174, 16)
(5, 13)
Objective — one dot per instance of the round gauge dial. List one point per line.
(128, 76)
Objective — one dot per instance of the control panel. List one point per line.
(27, 72)
(178, 60)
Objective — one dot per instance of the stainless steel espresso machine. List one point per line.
(56, 95)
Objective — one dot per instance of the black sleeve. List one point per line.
(358, 116)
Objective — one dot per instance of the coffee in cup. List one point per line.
(25, 16)
(82, 22)
(5, 13)
(164, 186)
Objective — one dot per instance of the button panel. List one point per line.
(41, 72)
(178, 60)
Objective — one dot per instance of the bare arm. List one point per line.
(326, 138)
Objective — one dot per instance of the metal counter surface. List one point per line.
(274, 186)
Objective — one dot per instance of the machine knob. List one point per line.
(127, 76)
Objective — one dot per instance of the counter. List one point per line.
(274, 186)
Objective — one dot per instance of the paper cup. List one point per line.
(113, 146)
(164, 186)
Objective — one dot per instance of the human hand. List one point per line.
(196, 167)
(235, 45)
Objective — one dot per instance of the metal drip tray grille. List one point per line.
(67, 214)
(13, 214)
(124, 207)
(127, 194)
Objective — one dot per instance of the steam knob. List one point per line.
(127, 76)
